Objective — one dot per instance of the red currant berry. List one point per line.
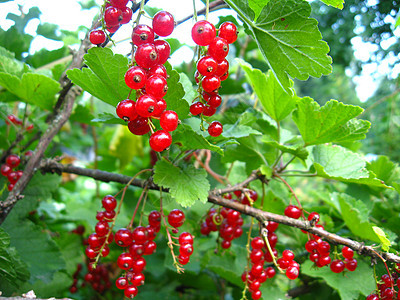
(125, 261)
(228, 31)
(163, 49)
(102, 228)
(270, 272)
(119, 3)
(211, 83)
(136, 249)
(5, 170)
(218, 49)
(312, 216)
(109, 203)
(142, 34)
(324, 261)
(215, 128)
(183, 259)
(257, 243)
(283, 264)
(185, 238)
(10, 187)
(13, 160)
(207, 66)
(287, 255)
(169, 120)
(126, 110)
(163, 23)
(112, 16)
(292, 211)
(146, 56)
(272, 226)
(123, 237)
(186, 249)
(196, 108)
(126, 15)
(351, 264)
(176, 218)
(13, 119)
(323, 248)
(139, 264)
(254, 285)
(139, 126)
(215, 101)
(256, 295)
(203, 33)
(97, 37)
(131, 291)
(160, 108)
(121, 283)
(292, 273)
(209, 111)
(139, 235)
(337, 266)
(90, 252)
(112, 29)
(149, 248)
(154, 218)
(372, 297)
(156, 86)
(159, 70)
(257, 269)
(13, 177)
(135, 78)
(347, 252)
(145, 105)
(311, 245)
(256, 255)
(100, 216)
(225, 244)
(160, 140)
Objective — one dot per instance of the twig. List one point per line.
(215, 5)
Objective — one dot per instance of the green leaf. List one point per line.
(186, 184)
(338, 163)
(296, 150)
(257, 6)
(355, 214)
(382, 237)
(32, 88)
(176, 97)
(384, 169)
(335, 3)
(4, 239)
(288, 39)
(104, 78)
(81, 114)
(191, 140)
(237, 131)
(108, 118)
(14, 41)
(349, 286)
(332, 122)
(276, 102)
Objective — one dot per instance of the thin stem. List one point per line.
(194, 10)
(286, 165)
(140, 12)
(144, 192)
(207, 8)
(387, 269)
(216, 176)
(264, 234)
(293, 193)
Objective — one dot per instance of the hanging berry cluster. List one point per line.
(17, 121)
(212, 68)
(148, 77)
(386, 286)
(9, 170)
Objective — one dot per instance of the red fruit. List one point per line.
(254, 285)
(160, 108)
(225, 244)
(337, 266)
(228, 31)
(211, 83)
(256, 255)
(136, 249)
(112, 16)
(292, 211)
(312, 216)
(154, 218)
(95, 241)
(185, 238)
(119, 3)
(257, 243)
(160, 140)
(272, 226)
(323, 248)
(123, 237)
(139, 264)
(163, 49)
(5, 170)
(135, 78)
(257, 269)
(90, 252)
(203, 33)
(13, 177)
(311, 245)
(215, 101)
(10, 187)
(351, 264)
(232, 217)
(102, 228)
(158, 70)
(125, 261)
(163, 23)
(139, 235)
(105, 251)
(30, 127)
(292, 273)
(121, 283)
(145, 105)
(218, 49)
(207, 66)
(139, 126)
(287, 255)
(196, 108)
(112, 29)
(215, 128)
(109, 203)
(126, 110)
(149, 248)
(186, 249)
(156, 86)
(142, 34)
(283, 264)
(347, 252)
(131, 291)
(176, 218)
(209, 111)
(256, 295)
(146, 56)
(183, 259)
(169, 120)
(28, 153)
(223, 68)
(138, 279)
(126, 15)
(97, 37)
(13, 119)
(372, 297)
(270, 272)
(13, 160)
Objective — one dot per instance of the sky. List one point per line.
(69, 16)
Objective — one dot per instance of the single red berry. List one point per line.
(149, 247)
(323, 261)
(283, 264)
(207, 66)
(13, 177)
(126, 15)
(163, 23)
(225, 244)
(270, 272)
(105, 251)
(160, 108)
(126, 110)
(139, 126)
(29, 127)
(160, 140)
(292, 273)
(232, 217)
(183, 259)
(135, 78)
(256, 295)
(292, 211)
(263, 277)
(136, 250)
(90, 252)
(218, 49)
(123, 237)
(211, 83)
(256, 255)
(223, 68)
(163, 50)
(131, 291)
(337, 266)
(312, 216)
(372, 297)
(145, 105)
(196, 108)
(95, 241)
(10, 187)
(97, 37)
(28, 153)
(102, 228)
(112, 16)
(351, 264)
(139, 264)
(125, 261)
(185, 238)
(215, 101)
(156, 86)
(154, 218)
(254, 285)
(215, 128)
(272, 226)
(13, 160)
(323, 248)
(109, 203)
(203, 33)
(287, 255)
(209, 111)
(224, 77)
(176, 218)
(387, 293)
(112, 29)
(169, 120)
(347, 252)
(228, 31)
(311, 245)
(121, 283)
(100, 216)
(139, 235)
(146, 56)
(142, 34)
(73, 289)
(186, 249)
(5, 170)
(13, 119)
(119, 3)
(257, 243)
(257, 269)
(158, 70)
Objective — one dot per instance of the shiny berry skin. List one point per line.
(257, 243)
(121, 283)
(254, 285)
(256, 255)
(13, 177)
(292, 273)
(372, 297)
(135, 78)
(145, 105)
(139, 126)
(323, 248)
(97, 37)
(160, 108)
(119, 3)
(312, 216)
(10, 187)
(154, 218)
(351, 264)
(123, 237)
(13, 119)
(139, 235)
(156, 86)
(109, 203)
(112, 16)
(185, 238)
(270, 272)
(225, 244)
(196, 108)
(5, 170)
(224, 77)
(311, 245)
(176, 218)
(337, 266)
(163, 49)
(169, 120)
(139, 264)
(209, 111)
(163, 23)
(347, 252)
(125, 261)
(228, 31)
(256, 295)
(160, 140)
(131, 291)
(142, 34)
(126, 15)
(292, 211)
(215, 128)
(183, 259)
(215, 101)
(159, 70)
(126, 110)
(95, 241)
(112, 29)
(13, 160)
(207, 66)
(287, 255)
(138, 279)
(203, 33)
(90, 252)
(146, 56)
(211, 83)
(223, 68)
(186, 249)
(218, 49)
(149, 248)
(102, 228)
(323, 261)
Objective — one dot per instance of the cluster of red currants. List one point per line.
(386, 287)
(116, 13)
(149, 78)
(8, 170)
(212, 68)
(17, 121)
(98, 278)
